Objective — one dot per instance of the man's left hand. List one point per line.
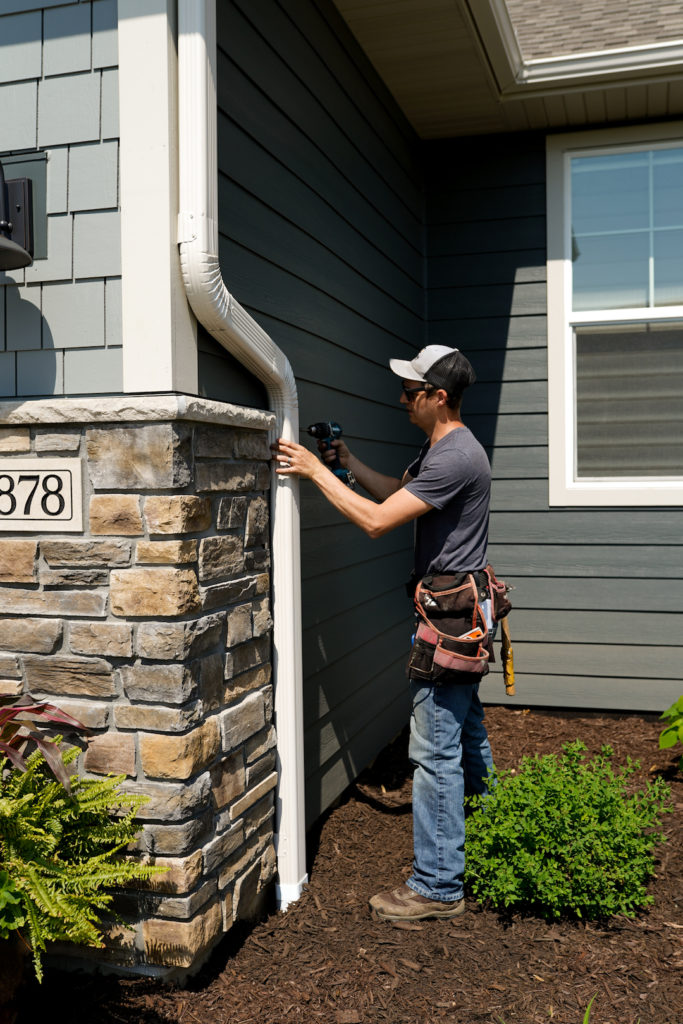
(293, 459)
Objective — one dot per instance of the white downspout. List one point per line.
(232, 326)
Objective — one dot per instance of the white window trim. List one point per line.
(563, 488)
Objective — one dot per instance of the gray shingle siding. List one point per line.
(59, 95)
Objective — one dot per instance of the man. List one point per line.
(446, 490)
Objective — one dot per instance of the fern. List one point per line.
(60, 852)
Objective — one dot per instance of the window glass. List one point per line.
(629, 400)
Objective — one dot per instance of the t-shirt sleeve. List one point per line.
(442, 475)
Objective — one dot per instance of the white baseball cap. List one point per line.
(421, 364)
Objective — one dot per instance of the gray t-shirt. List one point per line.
(454, 476)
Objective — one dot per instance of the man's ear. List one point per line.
(442, 396)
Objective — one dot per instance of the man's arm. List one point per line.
(374, 519)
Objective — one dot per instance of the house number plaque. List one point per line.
(41, 495)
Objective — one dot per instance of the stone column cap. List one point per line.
(132, 409)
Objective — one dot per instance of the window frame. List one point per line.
(563, 486)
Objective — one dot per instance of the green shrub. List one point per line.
(60, 852)
(562, 836)
(673, 733)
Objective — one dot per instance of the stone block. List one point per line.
(211, 684)
(242, 860)
(232, 513)
(164, 684)
(258, 771)
(246, 682)
(74, 577)
(169, 801)
(30, 636)
(88, 604)
(241, 722)
(78, 677)
(220, 848)
(139, 456)
(177, 641)
(9, 667)
(180, 757)
(109, 639)
(260, 744)
(247, 656)
(115, 515)
(91, 714)
(47, 441)
(176, 840)
(112, 753)
(257, 560)
(259, 818)
(152, 592)
(228, 780)
(263, 477)
(182, 908)
(182, 876)
(155, 719)
(220, 556)
(10, 687)
(257, 523)
(250, 444)
(180, 943)
(212, 442)
(261, 618)
(18, 561)
(225, 476)
(166, 552)
(177, 513)
(111, 553)
(231, 592)
(252, 796)
(239, 625)
(15, 440)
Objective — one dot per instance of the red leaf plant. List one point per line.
(18, 732)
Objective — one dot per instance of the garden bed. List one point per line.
(327, 960)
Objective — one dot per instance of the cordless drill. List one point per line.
(327, 433)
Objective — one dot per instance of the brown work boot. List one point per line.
(403, 904)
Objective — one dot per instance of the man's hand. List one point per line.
(339, 448)
(293, 459)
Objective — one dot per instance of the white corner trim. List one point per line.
(563, 488)
(159, 332)
(517, 77)
(239, 333)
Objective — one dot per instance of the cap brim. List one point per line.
(404, 369)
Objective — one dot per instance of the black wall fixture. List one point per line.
(16, 222)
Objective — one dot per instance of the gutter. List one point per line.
(237, 332)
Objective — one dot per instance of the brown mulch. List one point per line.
(326, 960)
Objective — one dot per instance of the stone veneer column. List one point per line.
(153, 628)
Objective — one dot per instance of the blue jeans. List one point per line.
(450, 749)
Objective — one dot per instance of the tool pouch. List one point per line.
(452, 642)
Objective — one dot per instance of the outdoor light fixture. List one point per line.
(16, 223)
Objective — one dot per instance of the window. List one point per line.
(615, 317)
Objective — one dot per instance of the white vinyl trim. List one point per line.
(563, 488)
(239, 333)
(159, 332)
(539, 76)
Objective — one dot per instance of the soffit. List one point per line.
(465, 67)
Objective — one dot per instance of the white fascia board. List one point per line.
(516, 77)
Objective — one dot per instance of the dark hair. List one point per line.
(453, 372)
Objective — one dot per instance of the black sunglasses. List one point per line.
(409, 392)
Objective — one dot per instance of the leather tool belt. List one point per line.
(456, 613)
